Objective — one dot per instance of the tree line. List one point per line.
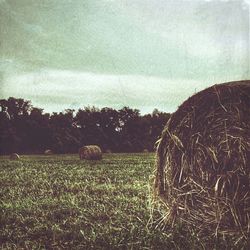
(27, 129)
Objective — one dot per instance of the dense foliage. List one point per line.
(27, 129)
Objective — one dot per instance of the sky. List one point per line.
(144, 54)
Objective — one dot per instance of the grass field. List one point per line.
(60, 202)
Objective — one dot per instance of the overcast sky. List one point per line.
(144, 54)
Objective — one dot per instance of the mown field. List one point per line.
(60, 202)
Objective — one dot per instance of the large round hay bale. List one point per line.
(203, 159)
(48, 152)
(91, 152)
(14, 156)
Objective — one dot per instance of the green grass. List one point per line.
(60, 202)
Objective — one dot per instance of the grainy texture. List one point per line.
(91, 152)
(48, 152)
(203, 161)
(59, 202)
(14, 156)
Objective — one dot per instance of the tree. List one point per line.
(26, 129)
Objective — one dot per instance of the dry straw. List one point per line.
(48, 152)
(14, 156)
(202, 175)
(91, 152)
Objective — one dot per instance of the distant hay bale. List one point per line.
(145, 150)
(91, 152)
(48, 152)
(203, 171)
(14, 156)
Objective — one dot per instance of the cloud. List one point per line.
(142, 53)
(143, 37)
(56, 90)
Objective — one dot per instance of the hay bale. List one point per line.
(14, 156)
(48, 152)
(203, 158)
(145, 150)
(91, 152)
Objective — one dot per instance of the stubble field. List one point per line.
(60, 202)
